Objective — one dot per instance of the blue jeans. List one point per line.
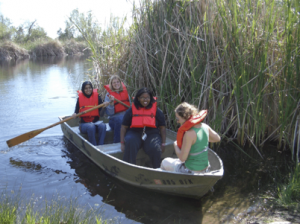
(91, 128)
(151, 146)
(115, 123)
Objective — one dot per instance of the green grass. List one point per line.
(289, 192)
(64, 211)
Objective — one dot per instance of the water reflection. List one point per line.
(137, 204)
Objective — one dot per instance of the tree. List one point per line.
(6, 30)
(85, 22)
(34, 32)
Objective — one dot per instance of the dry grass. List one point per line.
(11, 51)
(51, 48)
(72, 47)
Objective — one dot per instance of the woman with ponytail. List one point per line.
(191, 146)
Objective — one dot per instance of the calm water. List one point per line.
(35, 93)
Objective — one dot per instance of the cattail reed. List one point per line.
(238, 59)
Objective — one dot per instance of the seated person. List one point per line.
(116, 90)
(89, 122)
(143, 126)
(192, 150)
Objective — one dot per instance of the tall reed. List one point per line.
(109, 51)
(238, 59)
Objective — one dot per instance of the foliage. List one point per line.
(57, 210)
(238, 59)
(109, 50)
(47, 48)
(87, 24)
(8, 207)
(6, 31)
(289, 194)
(29, 31)
(73, 47)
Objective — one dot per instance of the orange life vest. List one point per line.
(143, 117)
(197, 119)
(87, 103)
(122, 96)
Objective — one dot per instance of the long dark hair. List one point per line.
(141, 92)
(83, 86)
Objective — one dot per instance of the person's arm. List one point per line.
(122, 136)
(110, 109)
(163, 134)
(129, 99)
(188, 141)
(126, 123)
(76, 108)
(101, 109)
(161, 124)
(213, 136)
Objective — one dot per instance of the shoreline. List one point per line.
(10, 51)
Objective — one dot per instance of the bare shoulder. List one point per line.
(190, 133)
(205, 125)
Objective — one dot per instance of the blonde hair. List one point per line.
(186, 110)
(111, 79)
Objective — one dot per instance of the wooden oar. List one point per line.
(122, 103)
(24, 137)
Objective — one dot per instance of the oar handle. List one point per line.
(122, 103)
(77, 115)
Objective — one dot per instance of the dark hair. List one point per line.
(141, 92)
(83, 86)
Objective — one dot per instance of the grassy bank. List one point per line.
(11, 51)
(289, 191)
(15, 210)
(42, 48)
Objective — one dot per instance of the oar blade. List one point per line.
(24, 137)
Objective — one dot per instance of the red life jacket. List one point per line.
(122, 96)
(87, 103)
(197, 119)
(143, 117)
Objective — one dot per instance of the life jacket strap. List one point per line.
(144, 115)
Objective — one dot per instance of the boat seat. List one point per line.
(114, 149)
(109, 137)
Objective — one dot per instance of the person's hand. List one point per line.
(106, 104)
(74, 115)
(123, 147)
(175, 143)
(111, 99)
(163, 147)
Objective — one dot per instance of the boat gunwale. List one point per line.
(215, 173)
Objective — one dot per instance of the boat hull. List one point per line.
(109, 158)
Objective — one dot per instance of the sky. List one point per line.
(52, 14)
